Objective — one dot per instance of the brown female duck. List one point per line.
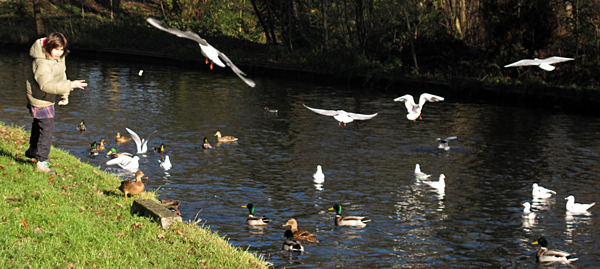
(133, 187)
(300, 235)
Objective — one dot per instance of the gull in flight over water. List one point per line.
(341, 115)
(443, 143)
(208, 51)
(545, 64)
(142, 144)
(125, 162)
(414, 110)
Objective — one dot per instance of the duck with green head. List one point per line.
(81, 126)
(252, 220)
(289, 244)
(206, 145)
(552, 255)
(349, 220)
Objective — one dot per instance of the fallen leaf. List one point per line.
(24, 223)
(137, 224)
(71, 265)
(4, 218)
(202, 261)
(120, 205)
(179, 257)
(160, 235)
(38, 230)
(95, 172)
(136, 229)
(151, 262)
(1, 167)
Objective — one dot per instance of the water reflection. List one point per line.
(472, 222)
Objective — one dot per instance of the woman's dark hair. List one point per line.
(55, 40)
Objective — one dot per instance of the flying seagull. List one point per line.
(414, 110)
(542, 63)
(341, 115)
(208, 51)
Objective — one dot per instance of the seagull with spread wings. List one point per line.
(341, 115)
(414, 109)
(545, 64)
(208, 51)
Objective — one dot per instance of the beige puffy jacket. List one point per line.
(47, 79)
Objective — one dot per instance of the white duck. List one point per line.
(318, 176)
(141, 144)
(341, 115)
(542, 63)
(541, 192)
(440, 185)
(414, 110)
(527, 211)
(419, 174)
(573, 207)
(166, 163)
(443, 143)
(207, 50)
(125, 162)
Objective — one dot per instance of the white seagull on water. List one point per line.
(125, 162)
(573, 207)
(419, 174)
(541, 192)
(208, 51)
(341, 115)
(414, 110)
(318, 176)
(542, 63)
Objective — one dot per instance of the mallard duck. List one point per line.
(302, 235)
(418, 174)
(289, 244)
(550, 255)
(81, 126)
(207, 50)
(414, 110)
(573, 207)
(133, 187)
(349, 220)
(141, 144)
(252, 220)
(102, 146)
(224, 138)
(171, 205)
(94, 150)
(160, 149)
(206, 145)
(341, 115)
(122, 139)
(125, 162)
(270, 110)
(113, 154)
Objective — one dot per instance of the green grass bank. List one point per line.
(79, 219)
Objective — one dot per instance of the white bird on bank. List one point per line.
(573, 207)
(141, 144)
(318, 176)
(439, 185)
(542, 63)
(208, 51)
(419, 174)
(166, 163)
(125, 162)
(414, 110)
(443, 143)
(341, 115)
(541, 192)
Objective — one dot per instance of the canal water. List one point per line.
(368, 165)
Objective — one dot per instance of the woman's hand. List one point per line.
(79, 84)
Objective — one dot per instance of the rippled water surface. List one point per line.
(368, 165)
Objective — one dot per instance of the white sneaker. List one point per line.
(44, 167)
(64, 101)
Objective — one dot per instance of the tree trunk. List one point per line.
(37, 15)
(260, 20)
(325, 25)
(271, 23)
(412, 43)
